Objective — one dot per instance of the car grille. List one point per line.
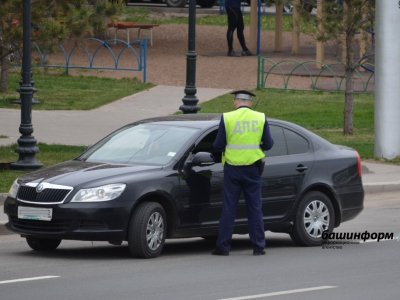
(40, 226)
(49, 195)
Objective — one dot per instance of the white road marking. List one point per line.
(376, 241)
(282, 293)
(28, 279)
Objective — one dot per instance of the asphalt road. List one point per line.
(186, 270)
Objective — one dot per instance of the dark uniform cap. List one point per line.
(243, 95)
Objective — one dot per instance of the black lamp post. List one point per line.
(26, 143)
(190, 99)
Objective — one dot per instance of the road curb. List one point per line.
(3, 229)
(381, 187)
(3, 197)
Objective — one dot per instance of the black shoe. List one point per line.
(247, 53)
(231, 53)
(217, 251)
(258, 252)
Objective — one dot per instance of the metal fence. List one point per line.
(291, 74)
(95, 54)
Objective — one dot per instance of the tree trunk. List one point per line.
(4, 68)
(349, 70)
(348, 104)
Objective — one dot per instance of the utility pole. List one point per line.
(387, 76)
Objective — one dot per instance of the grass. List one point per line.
(62, 92)
(143, 15)
(321, 112)
(48, 155)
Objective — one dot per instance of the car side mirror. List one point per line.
(202, 159)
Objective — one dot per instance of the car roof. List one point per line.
(190, 120)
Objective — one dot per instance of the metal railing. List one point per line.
(96, 54)
(329, 77)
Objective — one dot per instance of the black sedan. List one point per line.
(159, 178)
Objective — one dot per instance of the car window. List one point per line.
(279, 148)
(296, 144)
(206, 145)
(144, 143)
(286, 142)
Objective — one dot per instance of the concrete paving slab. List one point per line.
(87, 127)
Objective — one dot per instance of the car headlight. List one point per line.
(14, 189)
(99, 194)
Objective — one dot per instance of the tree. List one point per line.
(52, 22)
(10, 16)
(344, 20)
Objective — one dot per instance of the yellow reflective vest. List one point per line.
(244, 129)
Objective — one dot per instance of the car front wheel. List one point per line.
(42, 244)
(147, 230)
(315, 214)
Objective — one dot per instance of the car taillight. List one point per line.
(359, 167)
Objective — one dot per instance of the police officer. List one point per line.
(242, 136)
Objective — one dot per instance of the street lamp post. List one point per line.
(190, 99)
(26, 143)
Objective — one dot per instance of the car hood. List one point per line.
(75, 172)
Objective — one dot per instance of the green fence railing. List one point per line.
(292, 74)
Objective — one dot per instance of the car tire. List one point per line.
(315, 214)
(147, 230)
(206, 3)
(175, 3)
(43, 244)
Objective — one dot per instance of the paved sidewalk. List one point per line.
(86, 127)
(381, 177)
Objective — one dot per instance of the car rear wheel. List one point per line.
(42, 244)
(314, 215)
(147, 230)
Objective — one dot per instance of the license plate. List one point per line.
(34, 213)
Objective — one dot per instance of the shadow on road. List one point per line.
(76, 250)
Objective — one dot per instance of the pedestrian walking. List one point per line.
(242, 137)
(235, 22)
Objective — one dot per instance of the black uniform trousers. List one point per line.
(238, 179)
(235, 21)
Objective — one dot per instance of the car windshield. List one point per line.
(145, 144)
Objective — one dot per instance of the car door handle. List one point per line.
(301, 168)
